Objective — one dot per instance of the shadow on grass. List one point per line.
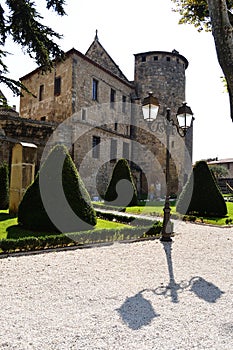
(17, 231)
(6, 216)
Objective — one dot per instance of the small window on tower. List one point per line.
(113, 150)
(125, 150)
(168, 59)
(123, 104)
(112, 97)
(94, 89)
(41, 93)
(57, 86)
(143, 58)
(156, 58)
(95, 146)
(84, 114)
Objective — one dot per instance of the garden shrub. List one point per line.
(121, 193)
(125, 219)
(77, 238)
(32, 213)
(156, 229)
(201, 195)
(4, 186)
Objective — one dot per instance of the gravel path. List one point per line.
(139, 296)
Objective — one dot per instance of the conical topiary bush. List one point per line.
(201, 195)
(121, 190)
(57, 200)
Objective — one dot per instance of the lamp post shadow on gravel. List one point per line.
(136, 311)
(203, 289)
(172, 288)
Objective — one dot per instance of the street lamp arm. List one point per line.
(181, 131)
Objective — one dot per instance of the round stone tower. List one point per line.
(162, 73)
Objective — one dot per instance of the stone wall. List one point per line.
(81, 117)
(162, 73)
(77, 73)
(18, 129)
(47, 104)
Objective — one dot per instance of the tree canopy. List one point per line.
(217, 16)
(20, 20)
(196, 12)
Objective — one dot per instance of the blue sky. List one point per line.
(129, 27)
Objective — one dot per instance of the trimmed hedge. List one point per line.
(34, 243)
(83, 237)
(125, 219)
(79, 213)
(4, 186)
(201, 195)
(126, 194)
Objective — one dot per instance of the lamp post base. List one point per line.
(165, 239)
(167, 225)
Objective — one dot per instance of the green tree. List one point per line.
(217, 16)
(121, 190)
(219, 171)
(4, 186)
(20, 20)
(45, 192)
(201, 195)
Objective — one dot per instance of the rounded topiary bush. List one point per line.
(121, 190)
(4, 186)
(57, 200)
(201, 195)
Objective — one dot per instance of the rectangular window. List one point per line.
(125, 150)
(113, 150)
(96, 147)
(57, 86)
(115, 126)
(112, 97)
(41, 92)
(94, 89)
(84, 114)
(123, 104)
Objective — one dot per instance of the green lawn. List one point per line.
(9, 227)
(157, 209)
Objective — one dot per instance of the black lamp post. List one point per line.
(185, 117)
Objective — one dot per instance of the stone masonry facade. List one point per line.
(88, 103)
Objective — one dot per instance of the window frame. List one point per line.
(57, 86)
(113, 150)
(112, 97)
(125, 149)
(95, 147)
(95, 85)
(41, 92)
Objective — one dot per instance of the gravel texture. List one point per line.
(134, 296)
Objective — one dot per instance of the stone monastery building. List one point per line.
(87, 103)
